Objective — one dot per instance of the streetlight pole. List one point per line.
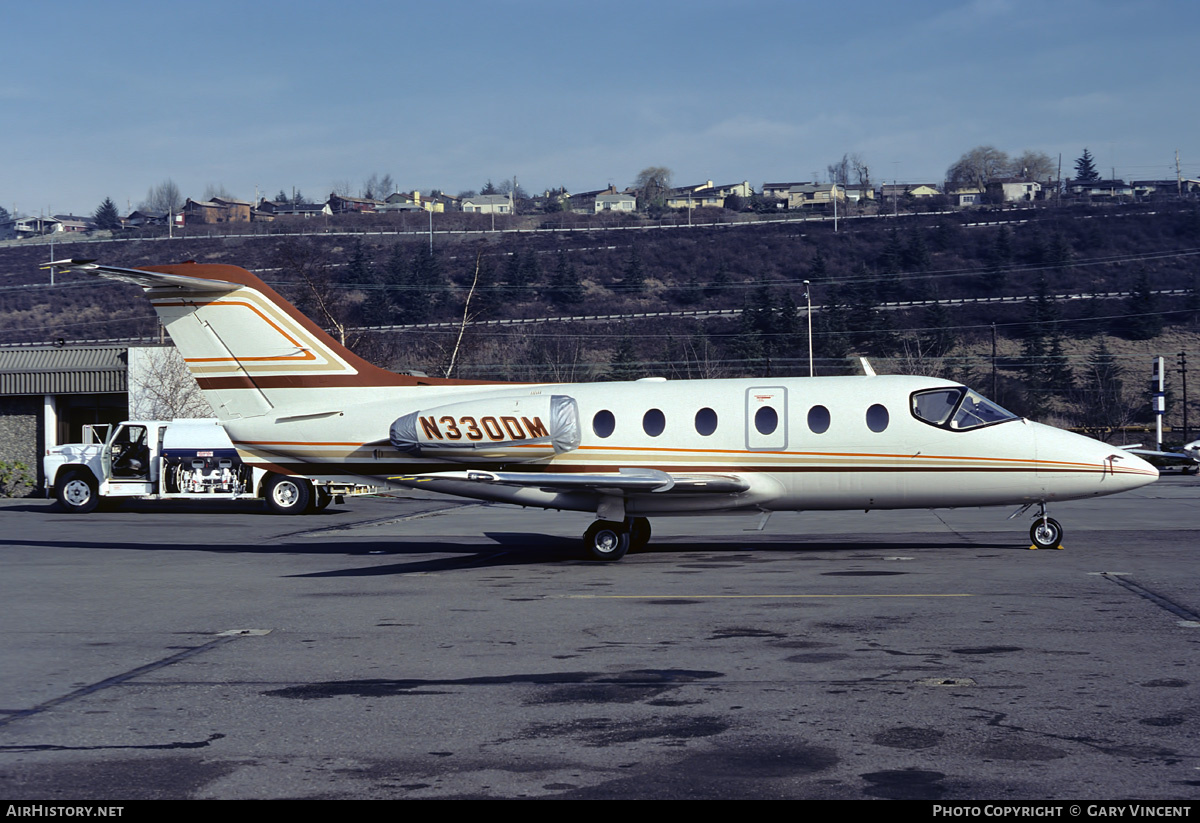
(808, 304)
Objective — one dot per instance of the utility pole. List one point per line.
(995, 385)
(1183, 378)
(1158, 399)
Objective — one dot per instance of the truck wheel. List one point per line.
(77, 493)
(321, 498)
(287, 495)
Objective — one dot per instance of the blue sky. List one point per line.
(108, 99)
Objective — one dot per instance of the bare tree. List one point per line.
(163, 198)
(161, 387)
(467, 316)
(979, 166)
(862, 174)
(377, 188)
(652, 184)
(1034, 166)
(839, 172)
(217, 190)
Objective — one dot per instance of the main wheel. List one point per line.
(1046, 534)
(77, 493)
(606, 540)
(287, 495)
(639, 533)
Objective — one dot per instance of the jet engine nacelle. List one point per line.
(520, 428)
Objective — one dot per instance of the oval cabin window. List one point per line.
(877, 418)
(706, 421)
(604, 423)
(653, 422)
(766, 420)
(818, 419)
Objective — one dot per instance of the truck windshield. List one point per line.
(957, 408)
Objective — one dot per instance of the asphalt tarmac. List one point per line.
(428, 648)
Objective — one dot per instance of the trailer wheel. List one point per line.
(77, 492)
(287, 495)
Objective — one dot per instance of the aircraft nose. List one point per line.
(1074, 466)
(1131, 471)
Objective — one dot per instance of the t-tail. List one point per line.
(248, 348)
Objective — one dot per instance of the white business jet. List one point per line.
(299, 404)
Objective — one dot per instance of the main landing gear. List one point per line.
(1046, 532)
(611, 539)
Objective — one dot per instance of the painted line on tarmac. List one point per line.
(739, 596)
(116, 680)
(378, 521)
(1122, 579)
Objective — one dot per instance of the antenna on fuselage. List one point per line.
(866, 366)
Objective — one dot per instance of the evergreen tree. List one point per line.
(818, 270)
(107, 217)
(1060, 253)
(892, 257)
(916, 253)
(1000, 257)
(424, 290)
(515, 278)
(1103, 407)
(749, 344)
(1144, 320)
(720, 282)
(1085, 168)
(634, 280)
(830, 328)
(624, 364)
(937, 339)
(565, 288)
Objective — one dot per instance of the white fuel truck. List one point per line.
(174, 459)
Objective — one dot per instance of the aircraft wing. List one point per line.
(145, 279)
(621, 482)
(1182, 456)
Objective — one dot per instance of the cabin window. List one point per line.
(653, 422)
(766, 420)
(706, 421)
(818, 419)
(935, 406)
(976, 410)
(604, 423)
(877, 418)
(957, 409)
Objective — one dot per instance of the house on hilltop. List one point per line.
(217, 210)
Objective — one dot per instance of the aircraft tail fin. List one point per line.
(247, 347)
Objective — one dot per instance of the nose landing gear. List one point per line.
(1046, 532)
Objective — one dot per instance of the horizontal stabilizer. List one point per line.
(145, 279)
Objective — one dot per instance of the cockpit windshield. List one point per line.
(957, 408)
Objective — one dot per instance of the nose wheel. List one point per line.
(1046, 533)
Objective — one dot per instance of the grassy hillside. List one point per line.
(1045, 346)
